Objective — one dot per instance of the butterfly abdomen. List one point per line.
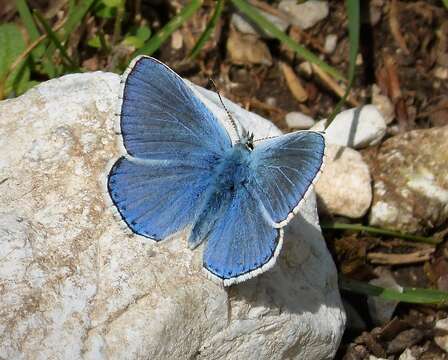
(231, 172)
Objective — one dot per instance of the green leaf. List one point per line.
(94, 42)
(253, 14)
(445, 2)
(105, 12)
(407, 295)
(38, 53)
(153, 44)
(353, 35)
(75, 16)
(138, 37)
(112, 3)
(208, 30)
(12, 45)
(143, 33)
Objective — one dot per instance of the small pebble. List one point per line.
(307, 14)
(330, 43)
(246, 27)
(247, 49)
(442, 325)
(305, 69)
(441, 72)
(383, 104)
(356, 128)
(297, 120)
(344, 187)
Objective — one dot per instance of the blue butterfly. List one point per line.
(182, 171)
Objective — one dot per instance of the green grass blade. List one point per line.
(153, 44)
(33, 33)
(253, 14)
(54, 38)
(408, 295)
(374, 230)
(75, 16)
(12, 45)
(27, 19)
(353, 35)
(208, 29)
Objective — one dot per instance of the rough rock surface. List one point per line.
(345, 185)
(411, 182)
(74, 283)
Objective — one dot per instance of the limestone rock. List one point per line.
(247, 49)
(297, 120)
(74, 283)
(331, 41)
(410, 181)
(305, 15)
(356, 128)
(383, 104)
(344, 187)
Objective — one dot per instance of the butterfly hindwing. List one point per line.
(157, 200)
(242, 243)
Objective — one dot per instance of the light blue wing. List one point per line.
(161, 118)
(285, 168)
(174, 143)
(242, 243)
(159, 199)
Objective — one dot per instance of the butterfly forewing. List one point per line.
(173, 143)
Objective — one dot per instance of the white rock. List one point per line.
(442, 342)
(246, 27)
(307, 14)
(74, 284)
(344, 187)
(407, 355)
(331, 41)
(442, 325)
(441, 72)
(383, 104)
(356, 128)
(297, 120)
(381, 310)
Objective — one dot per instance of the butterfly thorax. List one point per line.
(233, 170)
(247, 140)
(231, 174)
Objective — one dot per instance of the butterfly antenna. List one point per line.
(232, 120)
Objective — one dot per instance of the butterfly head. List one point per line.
(247, 140)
